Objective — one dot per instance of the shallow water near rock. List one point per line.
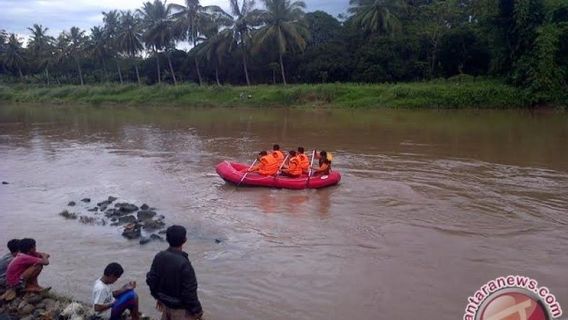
(432, 204)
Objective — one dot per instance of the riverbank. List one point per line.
(436, 94)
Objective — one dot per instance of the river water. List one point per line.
(432, 204)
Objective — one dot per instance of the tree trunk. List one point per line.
(119, 72)
(244, 60)
(282, 69)
(47, 75)
(172, 69)
(273, 76)
(198, 72)
(80, 72)
(105, 70)
(158, 67)
(217, 75)
(137, 73)
(21, 74)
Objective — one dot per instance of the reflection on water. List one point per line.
(432, 204)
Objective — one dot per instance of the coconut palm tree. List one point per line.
(40, 47)
(158, 33)
(284, 28)
(214, 46)
(376, 16)
(129, 38)
(111, 27)
(14, 54)
(98, 47)
(191, 21)
(245, 19)
(76, 48)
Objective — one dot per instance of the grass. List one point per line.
(435, 94)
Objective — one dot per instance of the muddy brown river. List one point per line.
(432, 204)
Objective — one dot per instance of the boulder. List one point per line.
(86, 200)
(71, 203)
(127, 219)
(126, 207)
(145, 214)
(153, 224)
(25, 308)
(87, 220)
(144, 207)
(111, 199)
(131, 231)
(68, 215)
(33, 298)
(4, 182)
(156, 237)
(95, 209)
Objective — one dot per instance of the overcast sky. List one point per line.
(58, 15)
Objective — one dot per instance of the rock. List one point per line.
(114, 213)
(218, 241)
(71, 203)
(87, 220)
(153, 224)
(72, 310)
(51, 305)
(126, 207)
(111, 199)
(25, 308)
(68, 215)
(144, 207)
(4, 182)
(156, 237)
(33, 299)
(127, 219)
(103, 208)
(162, 232)
(145, 214)
(95, 209)
(86, 200)
(131, 231)
(38, 312)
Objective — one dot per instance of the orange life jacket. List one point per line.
(294, 167)
(304, 162)
(268, 165)
(278, 155)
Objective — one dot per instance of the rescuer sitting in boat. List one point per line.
(267, 165)
(294, 167)
(324, 163)
(279, 155)
(304, 161)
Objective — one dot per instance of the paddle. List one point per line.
(310, 171)
(245, 175)
(281, 165)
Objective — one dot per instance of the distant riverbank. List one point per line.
(435, 94)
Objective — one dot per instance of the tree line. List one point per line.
(524, 42)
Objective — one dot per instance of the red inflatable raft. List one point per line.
(233, 172)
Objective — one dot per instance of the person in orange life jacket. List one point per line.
(279, 155)
(267, 164)
(294, 168)
(304, 161)
(324, 163)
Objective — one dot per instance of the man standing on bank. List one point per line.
(172, 280)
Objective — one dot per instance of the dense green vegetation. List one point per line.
(524, 43)
(436, 94)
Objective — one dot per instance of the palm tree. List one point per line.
(61, 50)
(214, 47)
(40, 46)
(77, 47)
(246, 17)
(14, 55)
(158, 33)
(98, 47)
(375, 16)
(284, 27)
(190, 21)
(112, 25)
(129, 38)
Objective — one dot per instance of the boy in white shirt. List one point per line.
(110, 304)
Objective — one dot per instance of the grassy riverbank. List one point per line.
(436, 94)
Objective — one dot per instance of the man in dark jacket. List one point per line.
(172, 280)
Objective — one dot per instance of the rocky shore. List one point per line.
(44, 306)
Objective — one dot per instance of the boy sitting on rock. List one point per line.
(110, 304)
(24, 269)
